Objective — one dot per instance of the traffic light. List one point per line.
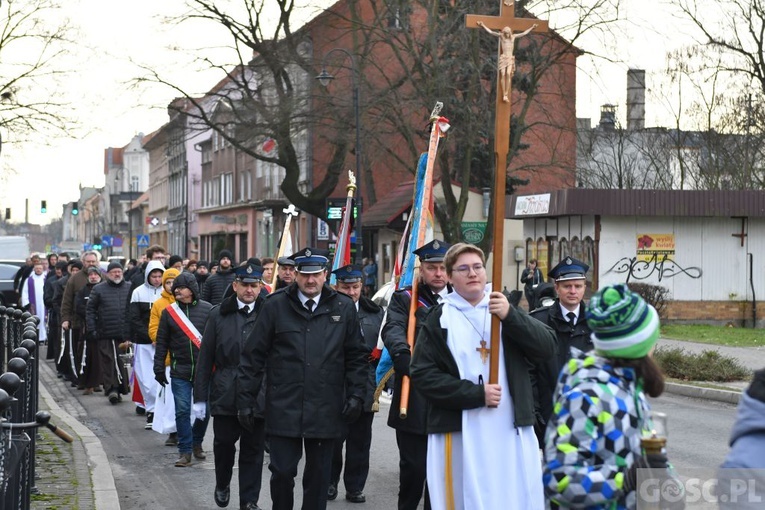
(75, 209)
(96, 243)
(44, 206)
(7, 213)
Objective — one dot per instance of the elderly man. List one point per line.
(308, 341)
(285, 274)
(106, 323)
(216, 383)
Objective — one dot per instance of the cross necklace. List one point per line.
(483, 350)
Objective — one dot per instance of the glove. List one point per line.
(652, 461)
(352, 409)
(401, 363)
(246, 419)
(199, 410)
(161, 379)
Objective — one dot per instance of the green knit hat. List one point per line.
(623, 325)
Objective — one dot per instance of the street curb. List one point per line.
(688, 390)
(101, 476)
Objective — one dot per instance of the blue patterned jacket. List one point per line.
(593, 436)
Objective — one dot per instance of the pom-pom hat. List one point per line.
(623, 325)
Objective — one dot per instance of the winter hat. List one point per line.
(174, 259)
(227, 254)
(94, 269)
(113, 265)
(203, 263)
(623, 325)
(61, 264)
(75, 263)
(169, 273)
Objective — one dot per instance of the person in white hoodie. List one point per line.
(139, 312)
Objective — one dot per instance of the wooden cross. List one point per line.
(483, 351)
(506, 19)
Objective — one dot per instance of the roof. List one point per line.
(684, 203)
(392, 205)
(140, 200)
(113, 158)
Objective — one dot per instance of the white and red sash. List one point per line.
(185, 324)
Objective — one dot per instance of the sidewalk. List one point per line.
(65, 471)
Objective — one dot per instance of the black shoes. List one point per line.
(222, 496)
(140, 411)
(249, 506)
(355, 497)
(332, 492)
(114, 398)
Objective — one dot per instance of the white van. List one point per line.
(14, 248)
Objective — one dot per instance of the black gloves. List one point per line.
(246, 419)
(652, 461)
(401, 363)
(352, 408)
(161, 379)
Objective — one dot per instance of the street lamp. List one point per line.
(325, 78)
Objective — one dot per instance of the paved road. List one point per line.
(699, 430)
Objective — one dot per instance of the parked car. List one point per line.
(8, 296)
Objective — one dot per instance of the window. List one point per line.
(227, 188)
(245, 186)
(206, 152)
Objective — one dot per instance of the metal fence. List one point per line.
(19, 415)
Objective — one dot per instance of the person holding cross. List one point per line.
(482, 450)
(506, 65)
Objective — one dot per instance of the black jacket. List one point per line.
(105, 313)
(435, 373)
(58, 292)
(312, 361)
(370, 318)
(218, 363)
(81, 301)
(215, 286)
(48, 290)
(172, 339)
(394, 337)
(546, 371)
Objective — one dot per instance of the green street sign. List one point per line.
(473, 232)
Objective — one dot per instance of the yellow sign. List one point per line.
(655, 246)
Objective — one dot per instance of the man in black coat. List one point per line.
(308, 340)
(411, 432)
(106, 322)
(216, 382)
(214, 289)
(180, 334)
(285, 272)
(358, 439)
(566, 317)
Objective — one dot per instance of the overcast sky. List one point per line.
(112, 114)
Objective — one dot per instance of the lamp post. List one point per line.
(325, 78)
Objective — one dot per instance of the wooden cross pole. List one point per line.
(504, 24)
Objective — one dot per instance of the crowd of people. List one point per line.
(286, 364)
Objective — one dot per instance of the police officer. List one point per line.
(308, 340)
(216, 383)
(411, 432)
(566, 316)
(358, 439)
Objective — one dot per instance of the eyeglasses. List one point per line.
(465, 270)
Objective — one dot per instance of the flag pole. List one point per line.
(290, 212)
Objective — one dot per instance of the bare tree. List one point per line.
(33, 44)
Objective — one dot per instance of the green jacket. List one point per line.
(435, 374)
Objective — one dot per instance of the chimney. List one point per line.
(635, 99)
(607, 117)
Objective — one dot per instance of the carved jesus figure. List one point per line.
(506, 59)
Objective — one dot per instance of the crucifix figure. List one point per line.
(505, 20)
(483, 351)
(506, 65)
